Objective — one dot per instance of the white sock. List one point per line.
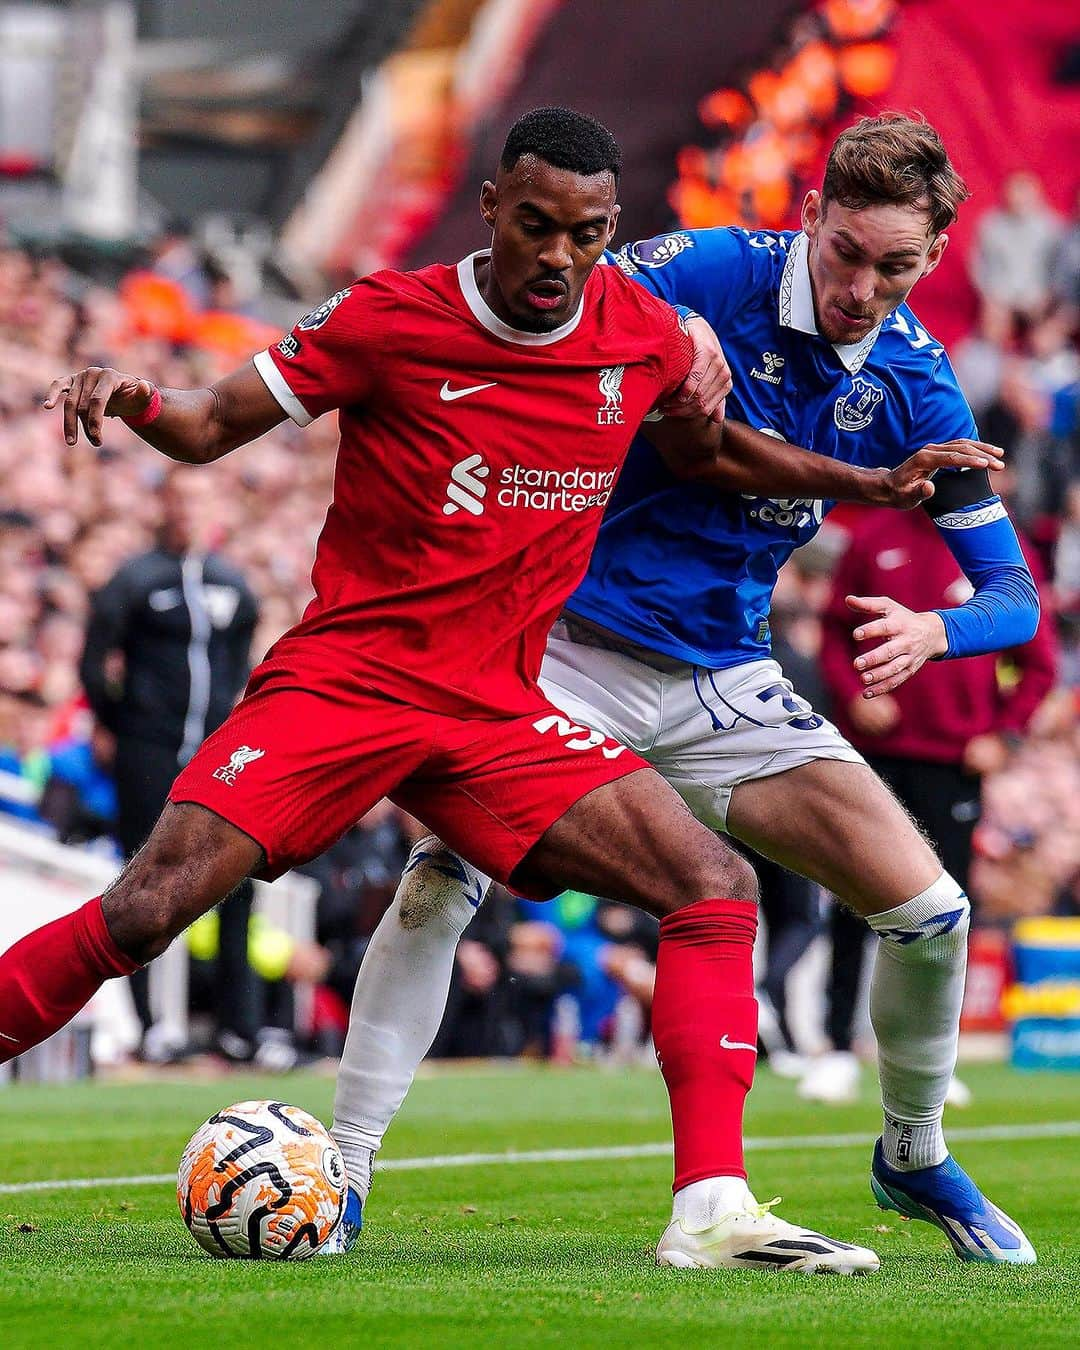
(915, 998)
(704, 1203)
(400, 998)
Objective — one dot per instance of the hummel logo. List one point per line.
(466, 487)
(448, 395)
(772, 363)
(725, 1044)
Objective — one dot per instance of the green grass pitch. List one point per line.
(524, 1253)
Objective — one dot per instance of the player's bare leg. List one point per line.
(838, 823)
(191, 861)
(635, 840)
(632, 840)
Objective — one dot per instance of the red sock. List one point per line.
(704, 1024)
(53, 972)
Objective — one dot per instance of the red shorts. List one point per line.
(294, 767)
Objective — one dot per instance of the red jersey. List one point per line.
(474, 467)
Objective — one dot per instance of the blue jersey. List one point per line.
(689, 570)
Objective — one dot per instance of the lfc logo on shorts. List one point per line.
(610, 413)
(240, 758)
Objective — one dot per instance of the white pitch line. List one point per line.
(1063, 1129)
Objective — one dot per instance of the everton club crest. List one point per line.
(855, 409)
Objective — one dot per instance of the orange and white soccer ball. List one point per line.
(261, 1179)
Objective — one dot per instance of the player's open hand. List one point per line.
(909, 484)
(91, 395)
(708, 384)
(906, 641)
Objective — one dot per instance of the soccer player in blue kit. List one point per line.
(665, 647)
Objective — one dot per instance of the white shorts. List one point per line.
(704, 731)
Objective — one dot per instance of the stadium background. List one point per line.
(178, 180)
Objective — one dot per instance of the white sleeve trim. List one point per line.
(969, 520)
(275, 382)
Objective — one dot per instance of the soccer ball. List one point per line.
(261, 1179)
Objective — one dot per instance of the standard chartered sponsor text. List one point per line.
(574, 489)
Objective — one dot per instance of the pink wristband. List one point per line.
(149, 414)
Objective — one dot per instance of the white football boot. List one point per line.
(753, 1238)
(832, 1078)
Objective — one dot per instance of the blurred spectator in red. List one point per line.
(932, 740)
(1014, 250)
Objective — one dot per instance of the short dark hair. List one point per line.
(894, 160)
(564, 139)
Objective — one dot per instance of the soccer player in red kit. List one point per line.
(485, 413)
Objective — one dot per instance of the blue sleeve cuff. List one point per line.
(685, 313)
(1004, 611)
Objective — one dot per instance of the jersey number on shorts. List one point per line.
(578, 737)
(797, 707)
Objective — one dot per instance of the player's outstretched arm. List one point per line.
(195, 426)
(737, 458)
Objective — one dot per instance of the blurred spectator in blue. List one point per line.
(588, 941)
(79, 798)
(24, 755)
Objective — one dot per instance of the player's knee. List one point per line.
(438, 887)
(727, 875)
(735, 877)
(937, 934)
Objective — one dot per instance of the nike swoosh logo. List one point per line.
(725, 1044)
(6, 1037)
(448, 395)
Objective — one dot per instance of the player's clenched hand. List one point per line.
(905, 640)
(708, 384)
(909, 484)
(91, 395)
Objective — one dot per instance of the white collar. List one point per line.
(796, 307)
(466, 270)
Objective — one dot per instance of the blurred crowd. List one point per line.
(765, 133)
(529, 979)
